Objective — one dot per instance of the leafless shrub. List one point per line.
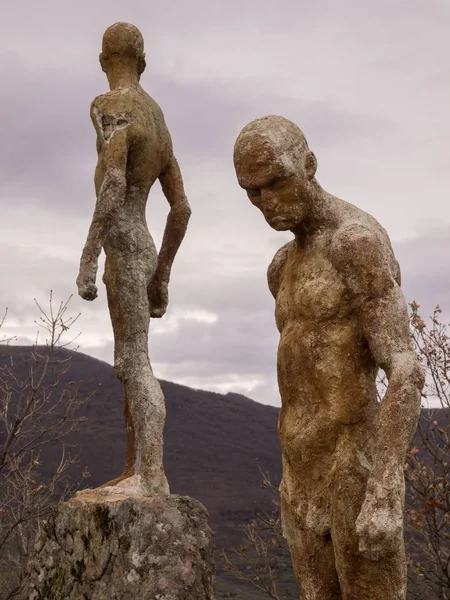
(36, 410)
(265, 554)
(427, 469)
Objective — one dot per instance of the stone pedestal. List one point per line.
(110, 544)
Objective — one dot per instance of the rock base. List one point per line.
(103, 544)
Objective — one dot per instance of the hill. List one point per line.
(211, 440)
(211, 443)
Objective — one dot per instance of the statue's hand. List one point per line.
(379, 525)
(158, 297)
(86, 287)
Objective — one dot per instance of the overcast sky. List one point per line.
(367, 82)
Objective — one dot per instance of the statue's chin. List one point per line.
(281, 224)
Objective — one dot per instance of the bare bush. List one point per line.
(427, 470)
(264, 559)
(38, 410)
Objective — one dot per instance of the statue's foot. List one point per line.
(125, 475)
(154, 485)
(128, 486)
(150, 485)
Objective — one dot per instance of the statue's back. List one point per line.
(147, 137)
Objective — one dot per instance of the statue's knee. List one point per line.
(120, 369)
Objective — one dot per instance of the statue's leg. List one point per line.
(360, 577)
(130, 457)
(148, 409)
(312, 554)
(126, 278)
(131, 440)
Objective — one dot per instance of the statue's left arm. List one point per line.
(366, 262)
(174, 232)
(109, 200)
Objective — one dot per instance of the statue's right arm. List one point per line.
(177, 221)
(109, 200)
(365, 263)
(174, 232)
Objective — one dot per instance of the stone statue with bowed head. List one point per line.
(134, 149)
(341, 315)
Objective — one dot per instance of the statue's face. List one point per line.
(274, 186)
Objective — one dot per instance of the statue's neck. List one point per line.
(122, 73)
(322, 213)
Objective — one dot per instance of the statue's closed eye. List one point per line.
(253, 194)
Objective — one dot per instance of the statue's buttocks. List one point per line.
(129, 237)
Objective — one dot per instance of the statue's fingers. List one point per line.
(88, 293)
(157, 313)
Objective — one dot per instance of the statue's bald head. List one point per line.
(277, 170)
(124, 41)
(272, 139)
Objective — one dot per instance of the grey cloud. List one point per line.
(426, 269)
(51, 143)
(373, 105)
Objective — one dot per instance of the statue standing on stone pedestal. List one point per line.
(134, 149)
(341, 315)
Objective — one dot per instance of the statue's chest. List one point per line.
(310, 288)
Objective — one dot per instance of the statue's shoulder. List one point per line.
(111, 112)
(353, 234)
(275, 269)
(114, 102)
(361, 251)
(358, 230)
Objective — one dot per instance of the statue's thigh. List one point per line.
(126, 279)
(365, 579)
(360, 577)
(312, 557)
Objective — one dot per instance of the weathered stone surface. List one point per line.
(134, 150)
(116, 545)
(341, 315)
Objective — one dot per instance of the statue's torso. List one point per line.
(326, 373)
(149, 150)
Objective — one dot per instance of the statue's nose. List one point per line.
(268, 201)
